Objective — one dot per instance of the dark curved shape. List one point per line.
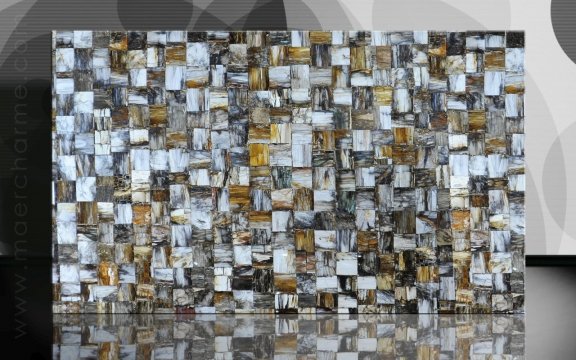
(563, 15)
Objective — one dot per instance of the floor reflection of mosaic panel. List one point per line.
(303, 171)
(331, 337)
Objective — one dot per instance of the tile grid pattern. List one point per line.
(344, 337)
(302, 171)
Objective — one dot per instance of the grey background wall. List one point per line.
(551, 74)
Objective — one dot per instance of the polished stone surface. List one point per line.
(287, 172)
(326, 337)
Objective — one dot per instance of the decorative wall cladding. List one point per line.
(299, 171)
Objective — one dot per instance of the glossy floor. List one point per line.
(546, 332)
(338, 337)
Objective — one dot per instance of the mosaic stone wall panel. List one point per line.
(302, 171)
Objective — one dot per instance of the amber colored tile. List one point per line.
(121, 116)
(157, 115)
(326, 300)
(494, 60)
(367, 241)
(477, 120)
(197, 83)
(403, 135)
(304, 239)
(176, 54)
(342, 134)
(260, 217)
(299, 55)
(143, 274)
(87, 213)
(426, 274)
(286, 343)
(461, 261)
(259, 133)
(303, 199)
(460, 220)
(387, 262)
(439, 121)
(259, 154)
(108, 273)
(258, 78)
(124, 253)
(323, 140)
(404, 154)
(384, 57)
(320, 37)
(239, 197)
(495, 145)
(479, 201)
(145, 291)
(285, 283)
(358, 58)
(160, 195)
(141, 214)
(514, 88)
(175, 139)
(108, 350)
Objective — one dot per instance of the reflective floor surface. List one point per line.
(545, 332)
(287, 337)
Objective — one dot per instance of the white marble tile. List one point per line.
(493, 83)
(64, 86)
(174, 77)
(340, 55)
(64, 59)
(497, 165)
(84, 102)
(197, 54)
(284, 261)
(346, 264)
(326, 282)
(85, 188)
(515, 60)
(123, 213)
